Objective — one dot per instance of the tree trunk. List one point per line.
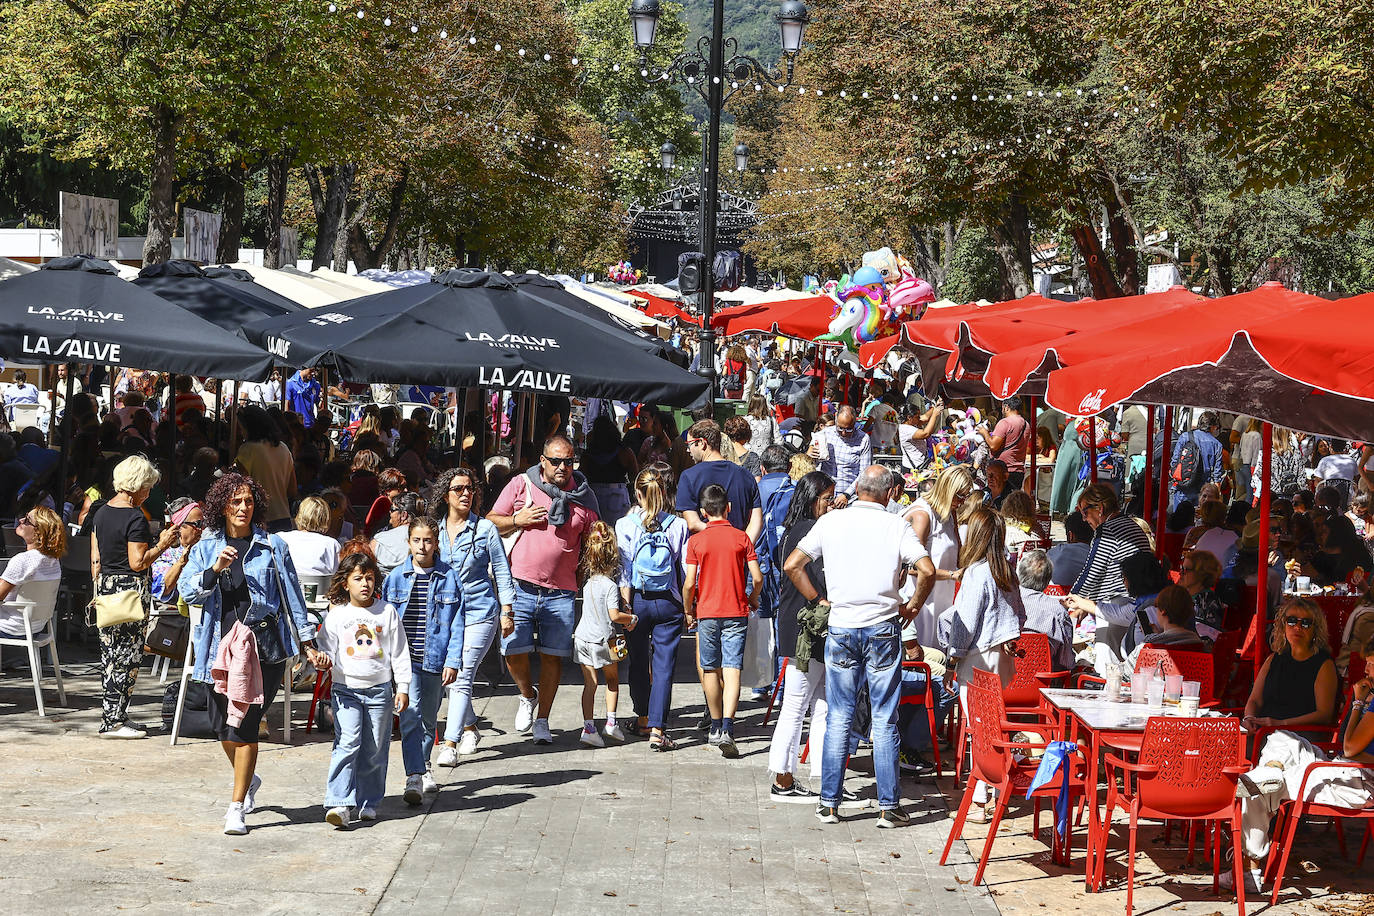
(157, 245)
(1011, 239)
(277, 168)
(1124, 247)
(1099, 269)
(330, 187)
(232, 186)
(366, 256)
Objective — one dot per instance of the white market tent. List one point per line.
(11, 268)
(363, 285)
(297, 289)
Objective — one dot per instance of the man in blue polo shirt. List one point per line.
(746, 512)
(303, 395)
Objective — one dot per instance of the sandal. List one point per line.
(632, 727)
(662, 743)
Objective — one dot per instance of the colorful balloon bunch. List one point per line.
(623, 272)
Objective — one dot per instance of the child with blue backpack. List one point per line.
(652, 540)
(599, 643)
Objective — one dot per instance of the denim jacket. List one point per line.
(478, 556)
(265, 551)
(444, 627)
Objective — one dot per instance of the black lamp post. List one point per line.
(715, 78)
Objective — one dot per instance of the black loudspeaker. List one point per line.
(691, 270)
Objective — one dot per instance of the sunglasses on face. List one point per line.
(1305, 622)
(197, 524)
(559, 462)
(461, 488)
(23, 521)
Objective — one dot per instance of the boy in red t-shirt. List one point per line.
(714, 591)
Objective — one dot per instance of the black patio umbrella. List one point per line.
(225, 303)
(77, 309)
(476, 329)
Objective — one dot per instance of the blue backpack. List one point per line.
(652, 568)
(770, 539)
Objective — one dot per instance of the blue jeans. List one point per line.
(419, 719)
(853, 656)
(720, 642)
(362, 742)
(477, 639)
(653, 653)
(549, 611)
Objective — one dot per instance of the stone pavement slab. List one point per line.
(521, 829)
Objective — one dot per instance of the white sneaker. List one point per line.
(448, 756)
(367, 813)
(250, 801)
(233, 820)
(335, 817)
(414, 792)
(427, 784)
(1252, 880)
(123, 733)
(524, 713)
(467, 745)
(541, 733)
(615, 733)
(590, 738)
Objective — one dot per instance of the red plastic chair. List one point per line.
(1034, 670)
(1187, 770)
(926, 700)
(1224, 660)
(1171, 546)
(777, 689)
(993, 763)
(323, 681)
(1292, 812)
(1192, 665)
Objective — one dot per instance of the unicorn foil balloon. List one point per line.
(862, 313)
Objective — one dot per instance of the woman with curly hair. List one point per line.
(244, 580)
(472, 546)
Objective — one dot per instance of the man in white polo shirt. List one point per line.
(865, 550)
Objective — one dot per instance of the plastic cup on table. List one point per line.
(1140, 688)
(1187, 706)
(1173, 687)
(1155, 695)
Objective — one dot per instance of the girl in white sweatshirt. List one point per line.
(366, 646)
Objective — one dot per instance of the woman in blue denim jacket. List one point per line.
(428, 595)
(238, 573)
(472, 546)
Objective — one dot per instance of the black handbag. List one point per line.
(168, 636)
(267, 633)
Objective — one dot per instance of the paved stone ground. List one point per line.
(515, 829)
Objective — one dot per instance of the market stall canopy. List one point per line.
(297, 290)
(802, 316)
(613, 301)
(551, 292)
(476, 329)
(1268, 353)
(242, 279)
(11, 268)
(662, 308)
(332, 287)
(362, 285)
(78, 310)
(225, 303)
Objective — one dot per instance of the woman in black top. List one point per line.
(810, 501)
(608, 465)
(1297, 685)
(122, 553)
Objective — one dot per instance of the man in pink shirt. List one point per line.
(552, 507)
(1009, 440)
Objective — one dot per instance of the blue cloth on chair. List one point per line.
(1056, 760)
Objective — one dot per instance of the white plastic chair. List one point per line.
(24, 416)
(38, 599)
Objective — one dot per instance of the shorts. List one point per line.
(720, 642)
(543, 618)
(246, 732)
(592, 654)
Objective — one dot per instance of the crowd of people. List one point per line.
(821, 539)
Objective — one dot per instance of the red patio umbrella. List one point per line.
(1269, 353)
(805, 317)
(658, 307)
